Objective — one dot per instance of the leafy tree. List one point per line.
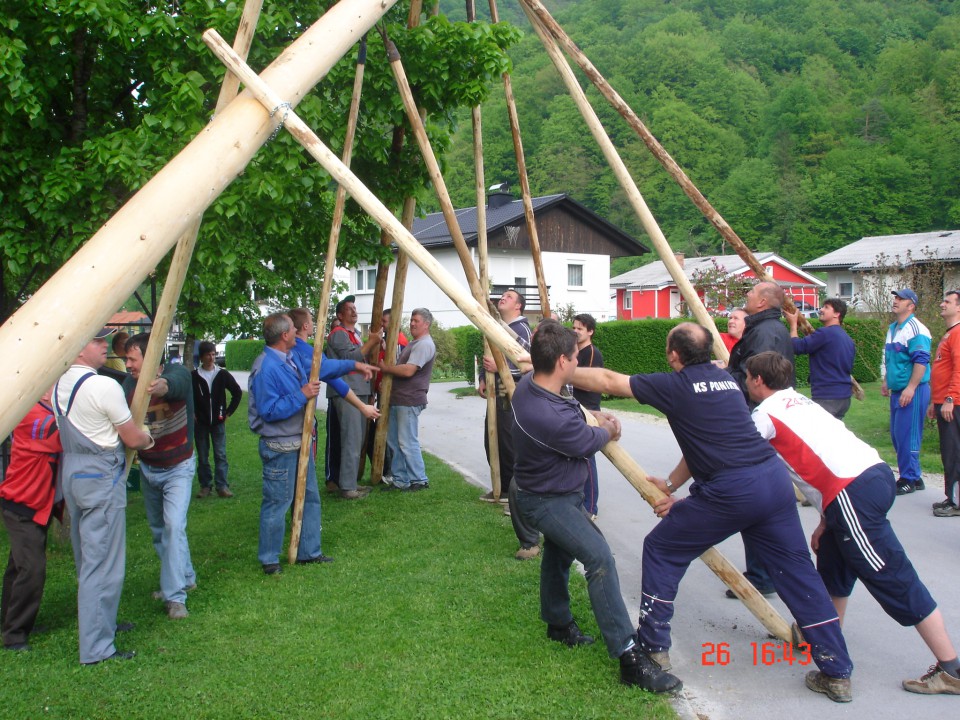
(107, 91)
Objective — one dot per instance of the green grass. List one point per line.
(424, 614)
(869, 420)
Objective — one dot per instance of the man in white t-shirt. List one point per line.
(95, 426)
(853, 489)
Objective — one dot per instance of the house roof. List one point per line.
(128, 317)
(432, 230)
(904, 250)
(655, 275)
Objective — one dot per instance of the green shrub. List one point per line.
(638, 346)
(468, 342)
(240, 354)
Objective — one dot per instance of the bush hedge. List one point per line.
(240, 354)
(637, 346)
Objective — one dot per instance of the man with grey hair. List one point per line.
(764, 330)
(411, 382)
(280, 389)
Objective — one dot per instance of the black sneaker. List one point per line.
(271, 569)
(570, 634)
(904, 487)
(918, 485)
(637, 668)
(321, 558)
(118, 655)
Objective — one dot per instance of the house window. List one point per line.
(845, 290)
(627, 300)
(366, 279)
(519, 283)
(575, 275)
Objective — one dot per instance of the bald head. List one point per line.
(764, 296)
(691, 342)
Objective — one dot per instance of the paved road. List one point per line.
(883, 652)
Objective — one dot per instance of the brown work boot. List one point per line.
(204, 492)
(224, 492)
(527, 553)
(837, 689)
(937, 681)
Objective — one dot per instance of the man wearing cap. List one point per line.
(95, 425)
(345, 343)
(905, 374)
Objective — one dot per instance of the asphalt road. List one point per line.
(884, 653)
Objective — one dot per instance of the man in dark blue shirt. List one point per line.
(831, 353)
(553, 443)
(740, 485)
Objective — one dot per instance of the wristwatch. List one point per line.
(948, 399)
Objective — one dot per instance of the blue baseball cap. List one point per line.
(907, 294)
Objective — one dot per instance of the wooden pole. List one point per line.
(467, 304)
(525, 194)
(41, 339)
(392, 341)
(551, 26)
(633, 194)
(480, 191)
(714, 559)
(383, 272)
(185, 246)
(440, 187)
(320, 327)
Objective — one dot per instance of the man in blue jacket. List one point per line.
(553, 445)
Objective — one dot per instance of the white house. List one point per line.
(871, 266)
(576, 246)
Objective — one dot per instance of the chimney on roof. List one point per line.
(679, 256)
(499, 195)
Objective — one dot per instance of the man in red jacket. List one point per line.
(27, 500)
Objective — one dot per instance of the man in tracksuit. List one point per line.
(905, 373)
(853, 489)
(740, 485)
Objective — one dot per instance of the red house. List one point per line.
(650, 292)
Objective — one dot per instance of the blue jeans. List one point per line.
(568, 535)
(279, 484)
(166, 498)
(403, 439)
(202, 437)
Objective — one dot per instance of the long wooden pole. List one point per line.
(525, 194)
(493, 445)
(187, 243)
(550, 25)
(467, 304)
(40, 340)
(320, 327)
(440, 188)
(629, 186)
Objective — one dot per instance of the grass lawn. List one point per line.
(869, 420)
(424, 614)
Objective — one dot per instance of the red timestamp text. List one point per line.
(766, 653)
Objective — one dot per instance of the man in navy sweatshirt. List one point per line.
(553, 444)
(831, 353)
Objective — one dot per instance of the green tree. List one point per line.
(109, 90)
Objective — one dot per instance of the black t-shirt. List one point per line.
(588, 357)
(708, 416)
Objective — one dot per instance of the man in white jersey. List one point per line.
(853, 489)
(95, 425)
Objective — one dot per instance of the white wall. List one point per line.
(593, 297)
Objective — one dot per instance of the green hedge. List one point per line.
(637, 346)
(240, 354)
